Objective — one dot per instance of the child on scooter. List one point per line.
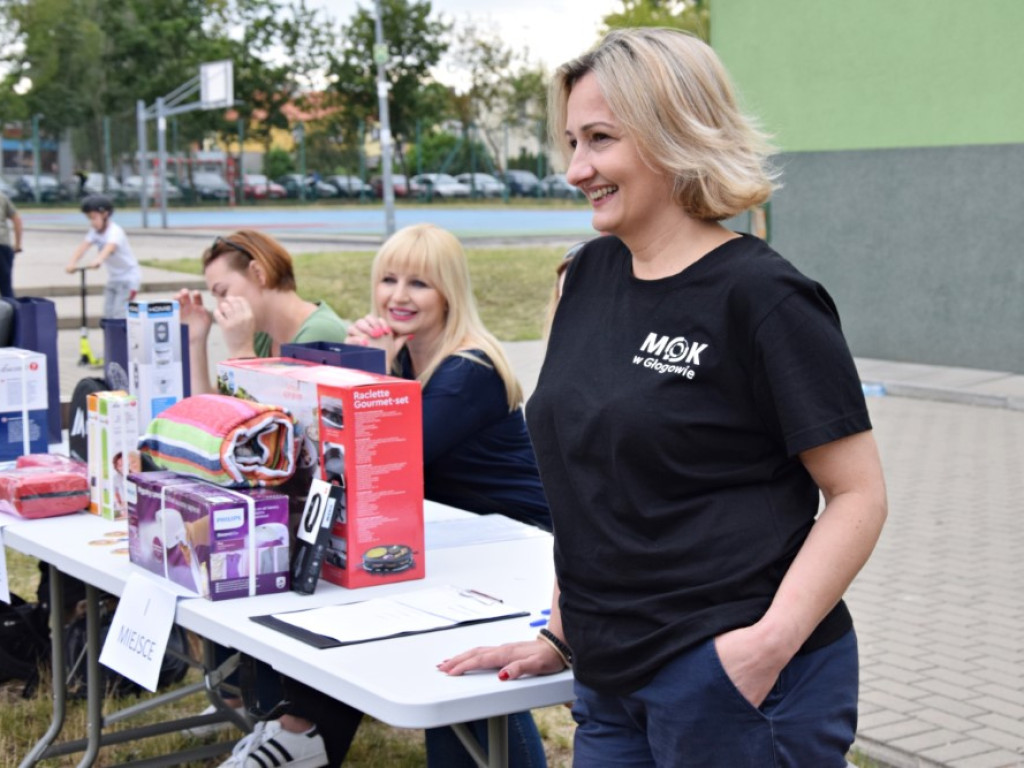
(123, 275)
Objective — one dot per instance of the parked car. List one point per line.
(256, 186)
(556, 185)
(206, 185)
(7, 189)
(133, 189)
(482, 184)
(399, 183)
(94, 185)
(521, 183)
(293, 182)
(350, 186)
(439, 185)
(50, 190)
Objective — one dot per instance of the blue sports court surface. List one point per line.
(339, 222)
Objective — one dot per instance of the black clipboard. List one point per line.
(323, 641)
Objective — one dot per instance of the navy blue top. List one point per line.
(477, 454)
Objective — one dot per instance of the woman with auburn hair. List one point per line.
(251, 278)
(256, 305)
(696, 400)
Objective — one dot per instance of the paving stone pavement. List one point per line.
(939, 608)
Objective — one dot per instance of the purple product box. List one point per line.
(222, 543)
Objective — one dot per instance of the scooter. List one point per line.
(86, 357)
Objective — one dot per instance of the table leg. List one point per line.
(95, 686)
(497, 742)
(496, 755)
(58, 683)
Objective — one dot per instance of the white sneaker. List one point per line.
(201, 731)
(269, 746)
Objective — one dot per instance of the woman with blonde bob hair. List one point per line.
(697, 399)
(476, 451)
(684, 121)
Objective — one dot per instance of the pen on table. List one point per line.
(543, 620)
(477, 593)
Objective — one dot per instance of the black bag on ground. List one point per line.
(24, 640)
(172, 670)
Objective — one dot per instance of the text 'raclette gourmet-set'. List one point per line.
(363, 433)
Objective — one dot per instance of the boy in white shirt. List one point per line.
(123, 276)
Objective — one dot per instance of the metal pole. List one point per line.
(140, 120)
(419, 150)
(362, 160)
(472, 160)
(239, 181)
(302, 163)
(504, 191)
(106, 153)
(35, 157)
(380, 55)
(161, 154)
(540, 150)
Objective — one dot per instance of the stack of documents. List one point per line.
(423, 610)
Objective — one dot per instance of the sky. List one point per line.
(553, 31)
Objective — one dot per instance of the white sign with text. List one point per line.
(139, 631)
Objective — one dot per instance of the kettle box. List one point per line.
(222, 543)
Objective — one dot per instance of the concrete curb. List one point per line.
(943, 394)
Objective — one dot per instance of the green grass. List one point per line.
(512, 285)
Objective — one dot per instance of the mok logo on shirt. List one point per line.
(670, 354)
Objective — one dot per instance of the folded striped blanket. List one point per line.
(224, 440)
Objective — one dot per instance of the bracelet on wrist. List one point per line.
(559, 645)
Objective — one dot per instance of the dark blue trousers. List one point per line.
(692, 716)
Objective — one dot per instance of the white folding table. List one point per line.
(395, 680)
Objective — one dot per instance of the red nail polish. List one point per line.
(503, 675)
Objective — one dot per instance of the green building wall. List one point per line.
(901, 130)
(832, 75)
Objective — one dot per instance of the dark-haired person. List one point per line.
(123, 276)
(696, 402)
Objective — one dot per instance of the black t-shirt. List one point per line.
(476, 453)
(667, 421)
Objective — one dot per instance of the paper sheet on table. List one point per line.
(424, 610)
(449, 532)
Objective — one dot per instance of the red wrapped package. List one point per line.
(40, 492)
(53, 461)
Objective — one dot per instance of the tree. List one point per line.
(58, 51)
(690, 15)
(278, 162)
(87, 59)
(281, 48)
(415, 43)
(504, 87)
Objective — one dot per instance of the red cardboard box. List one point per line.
(363, 431)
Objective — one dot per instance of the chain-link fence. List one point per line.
(103, 158)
